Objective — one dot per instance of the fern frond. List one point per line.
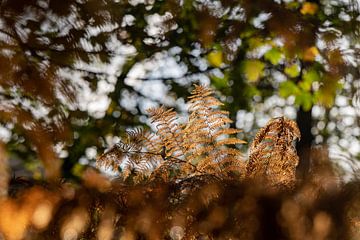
(227, 131)
(201, 146)
(229, 141)
(113, 157)
(137, 155)
(206, 124)
(273, 154)
(168, 130)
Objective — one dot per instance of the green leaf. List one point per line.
(220, 82)
(293, 5)
(327, 93)
(215, 58)
(305, 100)
(253, 69)
(288, 88)
(308, 78)
(273, 55)
(305, 85)
(311, 76)
(292, 71)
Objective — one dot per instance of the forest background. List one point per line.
(77, 75)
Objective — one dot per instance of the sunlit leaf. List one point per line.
(215, 58)
(311, 76)
(305, 85)
(325, 98)
(292, 70)
(288, 88)
(255, 42)
(327, 93)
(253, 69)
(273, 55)
(309, 8)
(308, 78)
(310, 54)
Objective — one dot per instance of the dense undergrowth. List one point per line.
(186, 180)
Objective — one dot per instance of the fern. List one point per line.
(272, 153)
(176, 150)
(202, 146)
(168, 130)
(205, 127)
(137, 155)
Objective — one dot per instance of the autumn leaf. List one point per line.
(305, 100)
(215, 58)
(253, 69)
(292, 70)
(309, 8)
(310, 54)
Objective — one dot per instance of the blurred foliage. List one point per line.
(195, 208)
(53, 51)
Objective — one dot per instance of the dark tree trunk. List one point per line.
(304, 121)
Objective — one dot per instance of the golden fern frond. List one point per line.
(208, 128)
(136, 155)
(273, 154)
(140, 138)
(223, 164)
(201, 146)
(227, 131)
(112, 158)
(168, 130)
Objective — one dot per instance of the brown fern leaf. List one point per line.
(207, 132)
(112, 158)
(169, 131)
(273, 154)
(136, 156)
(174, 151)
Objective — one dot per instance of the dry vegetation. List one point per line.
(188, 181)
(178, 151)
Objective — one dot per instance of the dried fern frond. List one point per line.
(138, 154)
(168, 130)
(272, 154)
(113, 157)
(201, 146)
(207, 124)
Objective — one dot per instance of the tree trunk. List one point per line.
(304, 121)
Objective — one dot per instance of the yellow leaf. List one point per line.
(253, 69)
(215, 58)
(310, 54)
(309, 8)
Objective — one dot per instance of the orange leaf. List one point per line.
(310, 54)
(309, 8)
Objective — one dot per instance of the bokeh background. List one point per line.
(75, 74)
